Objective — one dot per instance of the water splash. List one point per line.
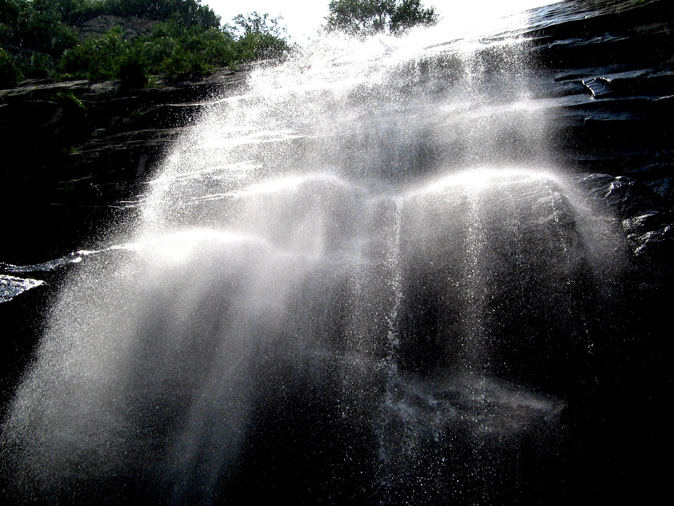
(351, 282)
(12, 286)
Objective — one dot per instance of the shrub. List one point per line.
(69, 100)
(10, 74)
(97, 57)
(44, 32)
(188, 42)
(259, 37)
(38, 65)
(365, 17)
(184, 12)
(184, 64)
(133, 73)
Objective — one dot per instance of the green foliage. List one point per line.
(12, 13)
(184, 64)
(10, 74)
(187, 42)
(366, 17)
(37, 26)
(74, 12)
(97, 57)
(133, 73)
(260, 36)
(70, 12)
(182, 53)
(38, 65)
(183, 12)
(69, 100)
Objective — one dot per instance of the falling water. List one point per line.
(356, 279)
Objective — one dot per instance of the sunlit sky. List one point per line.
(302, 18)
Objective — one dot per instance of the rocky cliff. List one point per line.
(607, 77)
(78, 151)
(76, 156)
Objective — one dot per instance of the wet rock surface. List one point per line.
(76, 156)
(605, 72)
(605, 76)
(11, 286)
(78, 153)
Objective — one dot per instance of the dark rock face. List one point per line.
(133, 26)
(76, 157)
(608, 76)
(612, 92)
(78, 150)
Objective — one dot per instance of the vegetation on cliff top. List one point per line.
(40, 39)
(366, 17)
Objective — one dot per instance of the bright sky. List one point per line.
(303, 17)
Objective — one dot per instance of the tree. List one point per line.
(10, 74)
(97, 57)
(185, 12)
(38, 39)
(259, 36)
(365, 17)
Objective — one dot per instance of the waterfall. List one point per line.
(358, 279)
